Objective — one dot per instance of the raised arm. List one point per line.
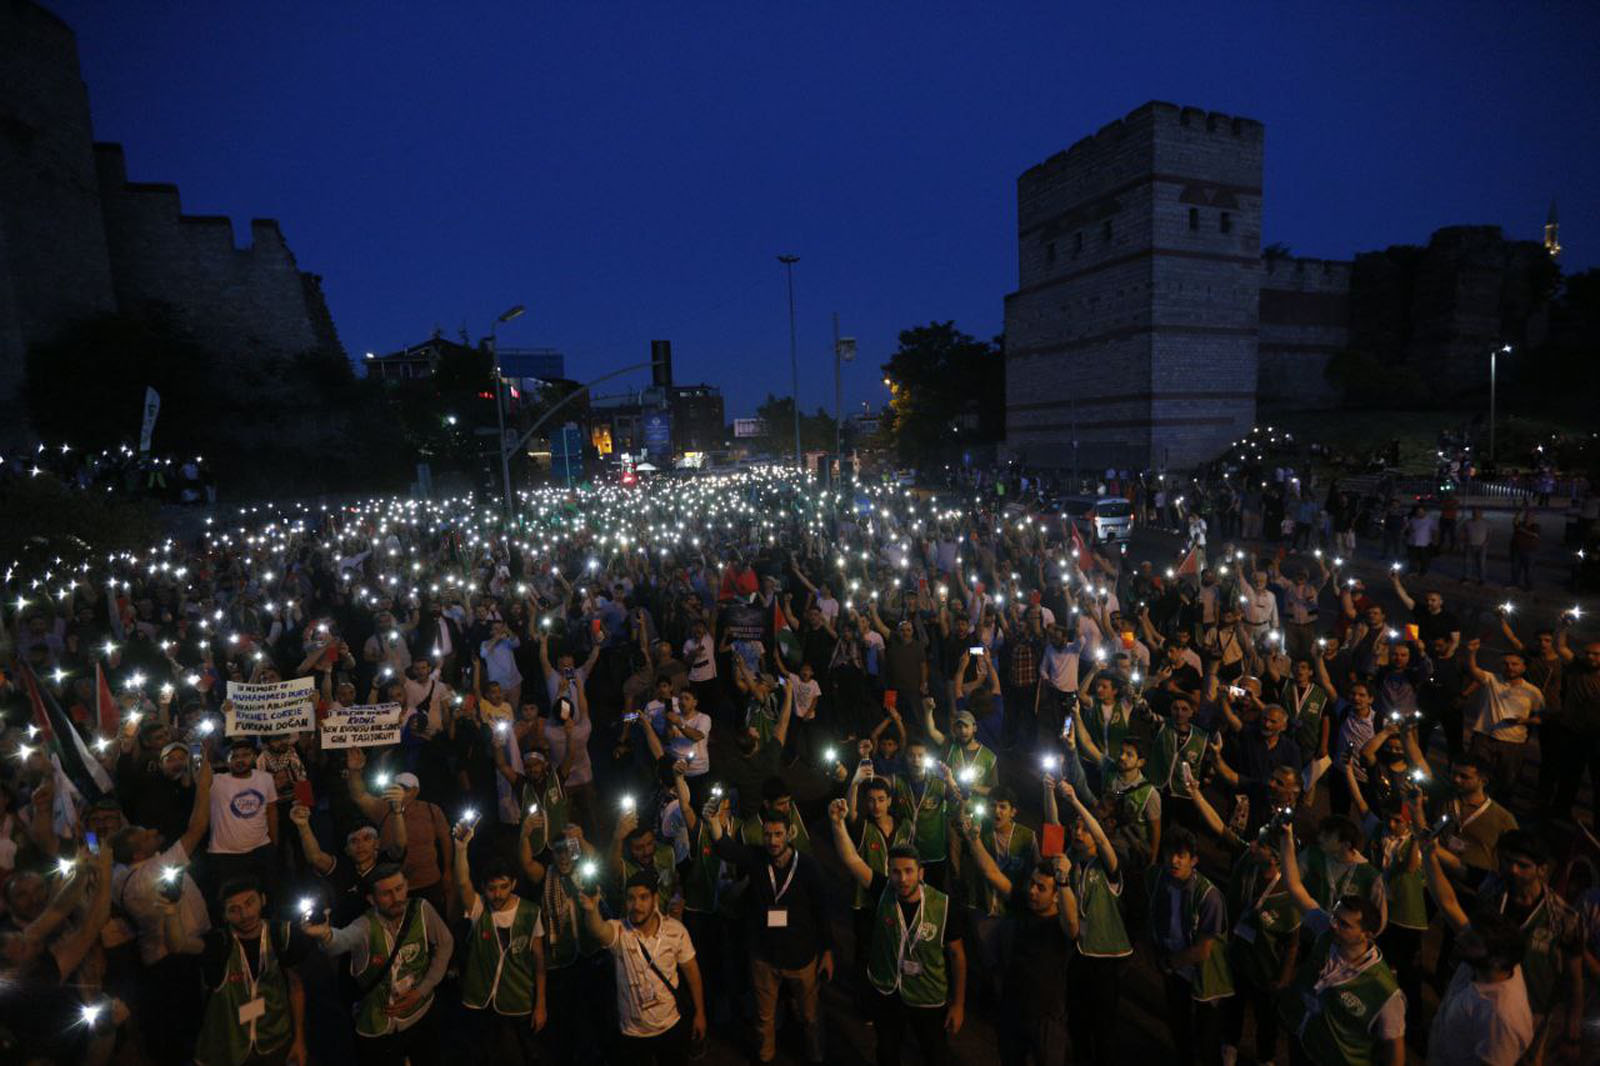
(1444, 894)
(1320, 663)
(938, 738)
(319, 860)
(1289, 865)
(1102, 843)
(980, 854)
(859, 871)
(200, 813)
(785, 710)
(1400, 590)
(462, 836)
(1479, 674)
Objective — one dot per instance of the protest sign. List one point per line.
(265, 710)
(365, 726)
(741, 621)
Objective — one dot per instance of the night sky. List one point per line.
(630, 170)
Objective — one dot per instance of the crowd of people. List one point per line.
(671, 761)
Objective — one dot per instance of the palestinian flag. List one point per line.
(784, 639)
(64, 743)
(108, 713)
(1190, 567)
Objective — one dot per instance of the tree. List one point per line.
(816, 431)
(947, 391)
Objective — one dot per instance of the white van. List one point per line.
(1100, 519)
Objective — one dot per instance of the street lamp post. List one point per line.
(499, 404)
(844, 350)
(788, 262)
(1494, 355)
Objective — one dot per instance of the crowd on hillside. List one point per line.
(670, 761)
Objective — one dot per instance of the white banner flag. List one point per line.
(366, 726)
(267, 710)
(152, 407)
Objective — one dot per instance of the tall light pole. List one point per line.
(499, 405)
(1494, 355)
(788, 262)
(844, 350)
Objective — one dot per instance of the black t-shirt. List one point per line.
(347, 889)
(1035, 982)
(1431, 626)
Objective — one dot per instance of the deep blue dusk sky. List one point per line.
(629, 170)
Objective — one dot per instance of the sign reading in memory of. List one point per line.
(266, 710)
(365, 726)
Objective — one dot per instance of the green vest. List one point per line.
(566, 937)
(1015, 862)
(414, 954)
(1166, 753)
(910, 962)
(1107, 731)
(1335, 1024)
(874, 851)
(1408, 908)
(664, 865)
(1213, 979)
(552, 801)
(762, 716)
(1133, 817)
(1265, 922)
(1305, 716)
(497, 970)
(985, 771)
(223, 1041)
(799, 838)
(1101, 933)
(1319, 879)
(703, 879)
(925, 806)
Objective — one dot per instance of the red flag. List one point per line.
(108, 714)
(1190, 567)
(1080, 551)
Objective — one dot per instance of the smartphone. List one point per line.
(1066, 728)
(91, 840)
(631, 716)
(976, 649)
(303, 794)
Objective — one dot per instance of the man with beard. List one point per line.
(916, 964)
(1344, 1004)
(1506, 707)
(255, 1010)
(399, 950)
(654, 961)
(574, 978)
(364, 851)
(787, 931)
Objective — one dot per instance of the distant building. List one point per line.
(697, 418)
(418, 362)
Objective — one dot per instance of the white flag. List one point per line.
(152, 407)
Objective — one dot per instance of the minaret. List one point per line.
(1552, 232)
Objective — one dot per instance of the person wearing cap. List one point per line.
(975, 766)
(244, 819)
(428, 851)
(1552, 958)
(655, 963)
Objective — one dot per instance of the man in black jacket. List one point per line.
(788, 934)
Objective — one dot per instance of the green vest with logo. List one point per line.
(223, 1040)
(1167, 752)
(925, 804)
(1101, 932)
(1213, 978)
(1335, 1024)
(873, 848)
(1305, 722)
(411, 963)
(1265, 922)
(910, 962)
(1107, 730)
(1406, 889)
(500, 972)
(984, 769)
(552, 801)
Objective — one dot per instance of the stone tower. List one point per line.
(1552, 232)
(54, 265)
(1134, 327)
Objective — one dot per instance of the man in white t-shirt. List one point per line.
(653, 956)
(244, 819)
(1505, 710)
(1484, 1018)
